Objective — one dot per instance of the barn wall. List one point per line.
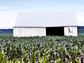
(70, 31)
(26, 32)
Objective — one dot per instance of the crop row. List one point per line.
(50, 49)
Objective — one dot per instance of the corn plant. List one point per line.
(2, 57)
(42, 49)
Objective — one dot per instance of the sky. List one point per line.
(9, 9)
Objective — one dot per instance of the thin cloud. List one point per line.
(4, 7)
(7, 19)
(80, 21)
(80, 14)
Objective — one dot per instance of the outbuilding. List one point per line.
(43, 23)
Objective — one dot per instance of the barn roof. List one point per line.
(46, 19)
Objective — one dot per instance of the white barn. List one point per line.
(43, 23)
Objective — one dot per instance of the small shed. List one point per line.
(43, 23)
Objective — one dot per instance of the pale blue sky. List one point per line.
(9, 9)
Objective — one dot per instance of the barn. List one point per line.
(43, 23)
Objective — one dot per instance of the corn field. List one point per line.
(50, 49)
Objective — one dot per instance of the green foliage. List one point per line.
(58, 61)
(10, 61)
(60, 49)
(42, 60)
(2, 57)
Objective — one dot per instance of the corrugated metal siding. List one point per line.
(26, 32)
(46, 19)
